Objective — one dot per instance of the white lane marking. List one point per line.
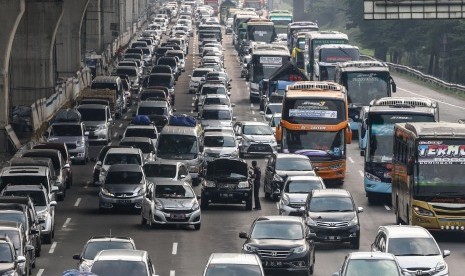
(193, 98)
(172, 273)
(192, 104)
(251, 105)
(255, 119)
(67, 221)
(120, 125)
(175, 248)
(253, 111)
(439, 101)
(361, 173)
(116, 134)
(126, 117)
(387, 207)
(77, 202)
(40, 272)
(52, 248)
(192, 111)
(351, 160)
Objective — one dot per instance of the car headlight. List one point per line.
(210, 184)
(9, 273)
(243, 185)
(106, 192)
(86, 265)
(422, 212)
(440, 266)
(354, 221)
(80, 144)
(195, 207)
(310, 222)
(277, 178)
(249, 248)
(158, 205)
(299, 249)
(141, 191)
(372, 177)
(285, 200)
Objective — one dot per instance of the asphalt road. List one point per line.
(184, 252)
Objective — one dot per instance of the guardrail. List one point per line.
(425, 78)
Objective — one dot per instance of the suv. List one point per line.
(123, 262)
(167, 170)
(98, 243)
(216, 115)
(332, 215)
(234, 264)
(284, 244)
(219, 144)
(74, 135)
(16, 233)
(227, 181)
(42, 207)
(415, 249)
(98, 121)
(9, 259)
(255, 138)
(282, 165)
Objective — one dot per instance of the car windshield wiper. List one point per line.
(409, 254)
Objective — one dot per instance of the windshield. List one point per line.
(6, 255)
(160, 80)
(277, 230)
(293, 164)
(331, 142)
(331, 204)
(263, 67)
(381, 133)
(152, 110)
(233, 269)
(261, 33)
(140, 132)
(216, 115)
(213, 90)
(160, 170)
(219, 141)
(14, 237)
(123, 177)
(372, 267)
(23, 179)
(144, 147)
(118, 158)
(92, 114)
(146, 95)
(362, 88)
(302, 186)
(332, 55)
(412, 246)
(93, 248)
(119, 268)
(37, 197)
(199, 73)
(273, 108)
(314, 111)
(129, 72)
(66, 130)
(13, 216)
(177, 144)
(221, 101)
(257, 130)
(173, 191)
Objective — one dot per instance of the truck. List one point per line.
(98, 96)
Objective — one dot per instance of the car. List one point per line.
(149, 131)
(119, 262)
(98, 163)
(74, 135)
(196, 78)
(98, 243)
(233, 264)
(126, 156)
(274, 121)
(209, 89)
(124, 186)
(43, 210)
(16, 232)
(167, 170)
(295, 192)
(65, 156)
(170, 202)
(270, 110)
(10, 261)
(171, 61)
(370, 263)
(415, 249)
(282, 165)
(134, 76)
(216, 115)
(219, 144)
(145, 144)
(98, 122)
(332, 215)
(216, 99)
(280, 241)
(256, 138)
(227, 181)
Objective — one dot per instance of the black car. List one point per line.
(9, 260)
(227, 181)
(283, 243)
(331, 214)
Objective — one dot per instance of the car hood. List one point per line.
(416, 262)
(123, 188)
(332, 216)
(177, 204)
(94, 123)
(64, 139)
(226, 166)
(275, 244)
(4, 267)
(220, 151)
(216, 123)
(260, 138)
(293, 173)
(297, 198)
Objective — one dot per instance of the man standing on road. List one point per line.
(257, 174)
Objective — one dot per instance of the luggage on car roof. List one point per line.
(182, 120)
(67, 115)
(141, 120)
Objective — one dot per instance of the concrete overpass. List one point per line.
(43, 43)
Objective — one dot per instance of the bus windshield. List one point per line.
(330, 142)
(265, 66)
(314, 111)
(261, 33)
(381, 132)
(363, 87)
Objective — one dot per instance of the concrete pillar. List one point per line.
(111, 20)
(93, 31)
(68, 42)
(129, 14)
(10, 16)
(32, 56)
(299, 10)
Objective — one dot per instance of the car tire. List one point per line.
(248, 204)
(48, 238)
(197, 227)
(203, 203)
(355, 243)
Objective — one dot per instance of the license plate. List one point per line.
(226, 195)
(178, 216)
(260, 147)
(124, 201)
(273, 263)
(333, 238)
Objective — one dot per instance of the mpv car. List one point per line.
(98, 122)
(123, 262)
(295, 192)
(255, 138)
(370, 263)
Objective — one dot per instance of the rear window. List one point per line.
(159, 80)
(167, 61)
(199, 73)
(140, 132)
(213, 90)
(152, 110)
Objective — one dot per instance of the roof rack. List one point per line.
(315, 85)
(404, 102)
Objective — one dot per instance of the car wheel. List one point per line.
(197, 226)
(248, 204)
(371, 198)
(355, 243)
(203, 203)
(311, 267)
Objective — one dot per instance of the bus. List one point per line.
(266, 59)
(214, 4)
(258, 5)
(241, 17)
(298, 50)
(365, 80)
(319, 38)
(299, 26)
(315, 123)
(328, 55)
(428, 175)
(281, 19)
(378, 131)
(260, 30)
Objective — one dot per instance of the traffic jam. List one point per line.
(225, 124)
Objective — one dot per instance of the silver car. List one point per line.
(295, 192)
(235, 264)
(270, 110)
(255, 138)
(167, 170)
(74, 136)
(123, 262)
(216, 115)
(125, 156)
(170, 202)
(98, 121)
(218, 144)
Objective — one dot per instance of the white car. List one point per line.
(218, 144)
(197, 77)
(255, 138)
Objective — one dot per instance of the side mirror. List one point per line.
(174, 109)
(199, 197)
(243, 235)
(362, 153)
(53, 203)
(233, 105)
(35, 231)
(20, 259)
(445, 253)
(190, 76)
(359, 209)
(234, 118)
(316, 169)
(77, 257)
(310, 236)
(99, 163)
